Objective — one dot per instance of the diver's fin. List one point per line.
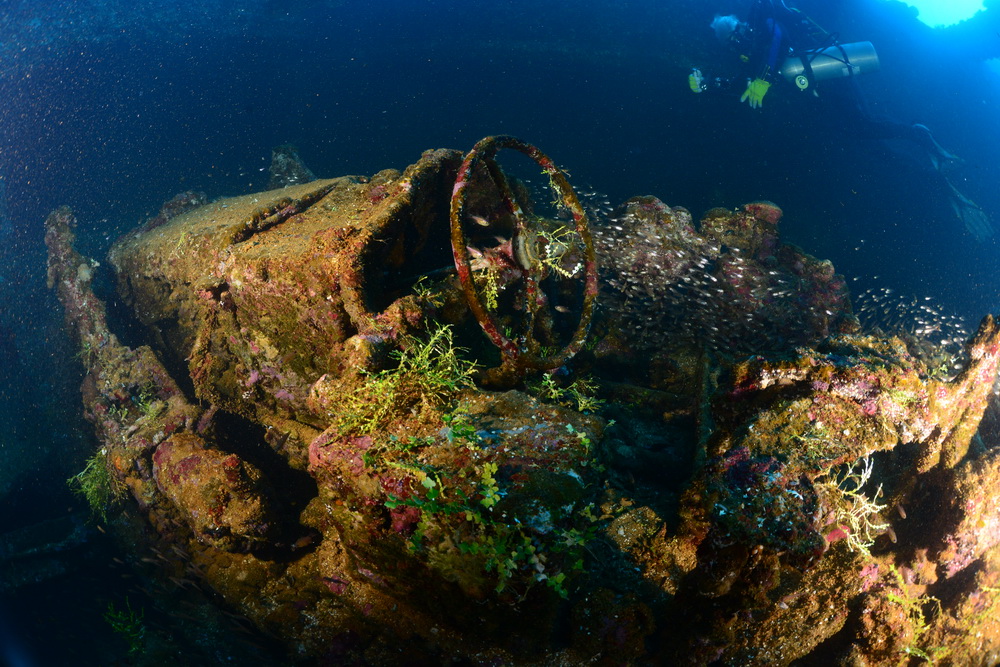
(971, 214)
(944, 161)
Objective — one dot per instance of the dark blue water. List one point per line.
(113, 107)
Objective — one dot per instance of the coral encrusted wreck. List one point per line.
(729, 471)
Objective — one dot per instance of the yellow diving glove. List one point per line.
(696, 81)
(755, 92)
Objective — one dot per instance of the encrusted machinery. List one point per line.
(352, 465)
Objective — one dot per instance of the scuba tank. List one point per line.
(833, 62)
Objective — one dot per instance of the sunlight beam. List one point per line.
(940, 13)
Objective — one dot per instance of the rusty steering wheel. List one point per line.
(533, 252)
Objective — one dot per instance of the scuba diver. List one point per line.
(779, 45)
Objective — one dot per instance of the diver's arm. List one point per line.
(758, 87)
(770, 66)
